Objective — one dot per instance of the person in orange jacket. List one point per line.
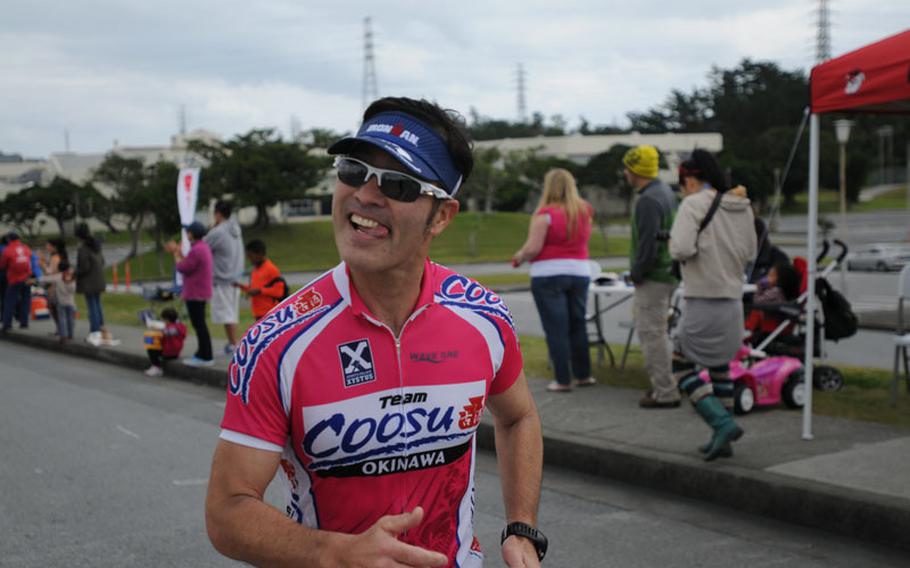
(267, 287)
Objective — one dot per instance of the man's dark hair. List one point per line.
(449, 124)
(702, 165)
(169, 314)
(224, 208)
(256, 246)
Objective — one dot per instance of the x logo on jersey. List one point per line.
(356, 362)
(356, 358)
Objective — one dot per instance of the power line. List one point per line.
(370, 89)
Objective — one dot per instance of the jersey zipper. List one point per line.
(403, 491)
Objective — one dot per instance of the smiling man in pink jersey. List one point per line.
(367, 386)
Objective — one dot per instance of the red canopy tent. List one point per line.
(872, 79)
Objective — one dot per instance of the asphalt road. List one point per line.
(102, 467)
(861, 228)
(865, 290)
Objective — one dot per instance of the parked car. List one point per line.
(879, 256)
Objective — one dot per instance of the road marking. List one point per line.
(127, 432)
(220, 404)
(190, 482)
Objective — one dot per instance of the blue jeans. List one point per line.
(561, 302)
(17, 302)
(65, 321)
(95, 315)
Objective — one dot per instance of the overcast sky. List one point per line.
(120, 69)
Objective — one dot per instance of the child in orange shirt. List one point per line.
(267, 287)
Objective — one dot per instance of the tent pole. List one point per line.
(812, 234)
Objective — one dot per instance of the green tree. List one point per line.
(160, 182)
(259, 170)
(22, 210)
(321, 137)
(130, 196)
(486, 128)
(57, 200)
(92, 204)
(485, 180)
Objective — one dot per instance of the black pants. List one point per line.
(196, 309)
(156, 358)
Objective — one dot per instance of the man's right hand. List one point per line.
(379, 545)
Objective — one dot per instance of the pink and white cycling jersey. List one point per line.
(369, 424)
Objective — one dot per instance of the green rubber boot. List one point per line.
(725, 429)
(725, 452)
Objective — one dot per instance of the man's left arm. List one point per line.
(519, 450)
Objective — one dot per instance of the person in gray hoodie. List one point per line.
(226, 241)
(713, 259)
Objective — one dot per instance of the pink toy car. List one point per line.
(764, 381)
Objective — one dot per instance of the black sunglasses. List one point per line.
(393, 184)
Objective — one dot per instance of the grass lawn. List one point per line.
(472, 237)
(865, 396)
(894, 199)
(123, 309)
(829, 202)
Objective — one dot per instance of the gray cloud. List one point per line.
(121, 69)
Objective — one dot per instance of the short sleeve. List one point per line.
(254, 414)
(545, 213)
(512, 363)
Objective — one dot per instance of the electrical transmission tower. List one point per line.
(522, 106)
(370, 90)
(823, 33)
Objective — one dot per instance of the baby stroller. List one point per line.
(768, 369)
(837, 321)
(160, 297)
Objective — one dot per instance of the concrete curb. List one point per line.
(850, 512)
(208, 376)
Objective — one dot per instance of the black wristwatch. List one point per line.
(525, 530)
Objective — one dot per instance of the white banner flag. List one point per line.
(187, 195)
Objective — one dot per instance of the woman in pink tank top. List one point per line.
(557, 247)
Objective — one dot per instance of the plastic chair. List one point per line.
(902, 339)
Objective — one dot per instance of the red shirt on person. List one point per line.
(16, 260)
(172, 340)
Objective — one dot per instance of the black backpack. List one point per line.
(840, 321)
(285, 290)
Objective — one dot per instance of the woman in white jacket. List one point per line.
(713, 260)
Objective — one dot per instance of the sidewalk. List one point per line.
(852, 479)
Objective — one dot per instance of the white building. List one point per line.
(580, 148)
